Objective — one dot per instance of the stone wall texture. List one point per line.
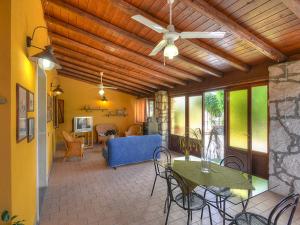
(284, 135)
(161, 114)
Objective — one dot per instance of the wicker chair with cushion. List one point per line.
(101, 130)
(134, 130)
(73, 145)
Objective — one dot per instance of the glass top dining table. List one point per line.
(234, 185)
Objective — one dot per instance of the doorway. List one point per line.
(247, 127)
(42, 180)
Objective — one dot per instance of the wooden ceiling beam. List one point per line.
(200, 45)
(57, 38)
(194, 64)
(294, 6)
(84, 60)
(95, 70)
(95, 75)
(170, 70)
(106, 82)
(211, 12)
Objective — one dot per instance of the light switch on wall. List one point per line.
(2, 100)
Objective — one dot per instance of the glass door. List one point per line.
(214, 124)
(259, 131)
(247, 127)
(238, 125)
(178, 121)
(195, 118)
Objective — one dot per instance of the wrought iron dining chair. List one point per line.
(159, 153)
(180, 192)
(233, 162)
(288, 203)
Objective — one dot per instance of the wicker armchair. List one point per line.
(74, 146)
(134, 130)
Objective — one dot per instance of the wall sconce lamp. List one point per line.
(3, 100)
(45, 58)
(56, 89)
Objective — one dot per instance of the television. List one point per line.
(83, 124)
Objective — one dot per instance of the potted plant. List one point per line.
(8, 219)
(110, 134)
(194, 143)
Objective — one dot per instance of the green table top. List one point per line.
(242, 186)
(219, 176)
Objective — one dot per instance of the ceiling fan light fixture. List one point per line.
(171, 51)
(101, 92)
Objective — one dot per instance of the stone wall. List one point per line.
(161, 114)
(284, 135)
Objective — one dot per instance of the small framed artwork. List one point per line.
(49, 108)
(30, 130)
(21, 113)
(30, 101)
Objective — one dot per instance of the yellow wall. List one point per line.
(77, 94)
(25, 16)
(5, 178)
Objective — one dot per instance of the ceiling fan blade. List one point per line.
(158, 47)
(186, 35)
(152, 25)
(106, 87)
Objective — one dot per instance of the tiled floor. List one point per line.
(87, 192)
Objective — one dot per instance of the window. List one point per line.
(178, 116)
(140, 110)
(259, 123)
(195, 112)
(150, 108)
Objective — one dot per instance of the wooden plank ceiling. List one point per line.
(90, 36)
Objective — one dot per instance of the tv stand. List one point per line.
(88, 138)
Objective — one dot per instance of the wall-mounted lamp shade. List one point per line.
(58, 90)
(3, 100)
(46, 59)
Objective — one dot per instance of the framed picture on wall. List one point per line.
(21, 93)
(49, 108)
(60, 110)
(30, 101)
(30, 130)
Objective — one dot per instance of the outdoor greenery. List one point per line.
(214, 103)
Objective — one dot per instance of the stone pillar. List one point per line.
(161, 114)
(284, 135)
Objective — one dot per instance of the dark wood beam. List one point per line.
(61, 40)
(193, 64)
(84, 60)
(107, 83)
(120, 50)
(93, 75)
(211, 12)
(95, 71)
(294, 6)
(201, 46)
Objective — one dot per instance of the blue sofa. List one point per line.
(132, 149)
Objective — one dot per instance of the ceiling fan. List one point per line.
(102, 87)
(170, 35)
